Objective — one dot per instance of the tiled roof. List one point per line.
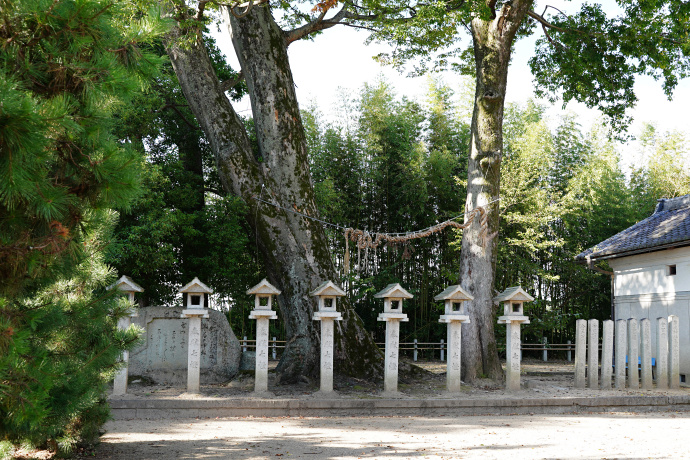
(668, 227)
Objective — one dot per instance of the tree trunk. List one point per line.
(493, 40)
(294, 248)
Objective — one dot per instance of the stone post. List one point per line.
(443, 356)
(262, 313)
(662, 353)
(327, 338)
(580, 352)
(633, 353)
(194, 311)
(607, 355)
(261, 361)
(392, 296)
(454, 298)
(646, 354)
(621, 352)
(454, 364)
(327, 294)
(120, 381)
(513, 299)
(545, 354)
(390, 379)
(125, 284)
(674, 357)
(193, 352)
(593, 354)
(513, 354)
(569, 354)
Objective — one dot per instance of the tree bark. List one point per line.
(493, 41)
(294, 248)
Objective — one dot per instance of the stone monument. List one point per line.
(195, 310)
(126, 285)
(162, 356)
(513, 299)
(262, 313)
(454, 298)
(393, 296)
(327, 314)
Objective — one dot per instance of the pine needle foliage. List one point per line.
(66, 69)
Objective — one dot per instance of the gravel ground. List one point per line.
(588, 436)
(579, 436)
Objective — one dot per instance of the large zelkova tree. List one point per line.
(294, 248)
(587, 56)
(66, 69)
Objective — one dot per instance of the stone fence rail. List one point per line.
(276, 347)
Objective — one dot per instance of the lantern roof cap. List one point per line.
(196, 287)
(455, 292)
(328, 288)
(514, 293)
(264, 287)
(125, 283)
(393, 290)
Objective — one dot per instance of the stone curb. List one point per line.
(123, 409)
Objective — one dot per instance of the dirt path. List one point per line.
(590, 436)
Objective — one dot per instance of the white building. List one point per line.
(651, 270)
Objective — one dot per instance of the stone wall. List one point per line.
(163, 355)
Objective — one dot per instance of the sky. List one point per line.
(339, 60)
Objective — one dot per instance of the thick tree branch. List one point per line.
(227, 85)
(546, 24)
(202, 7)
(350, 18)
(321, 23)
(311, 27)
(512, 14)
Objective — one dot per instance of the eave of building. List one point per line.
(617, 255)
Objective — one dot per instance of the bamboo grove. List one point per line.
(391, 164)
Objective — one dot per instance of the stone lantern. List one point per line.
(195, 309)
(454, 298)
(262, 313)
(393, 296)
(513, 299)
(327, 294)
(126, 285)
